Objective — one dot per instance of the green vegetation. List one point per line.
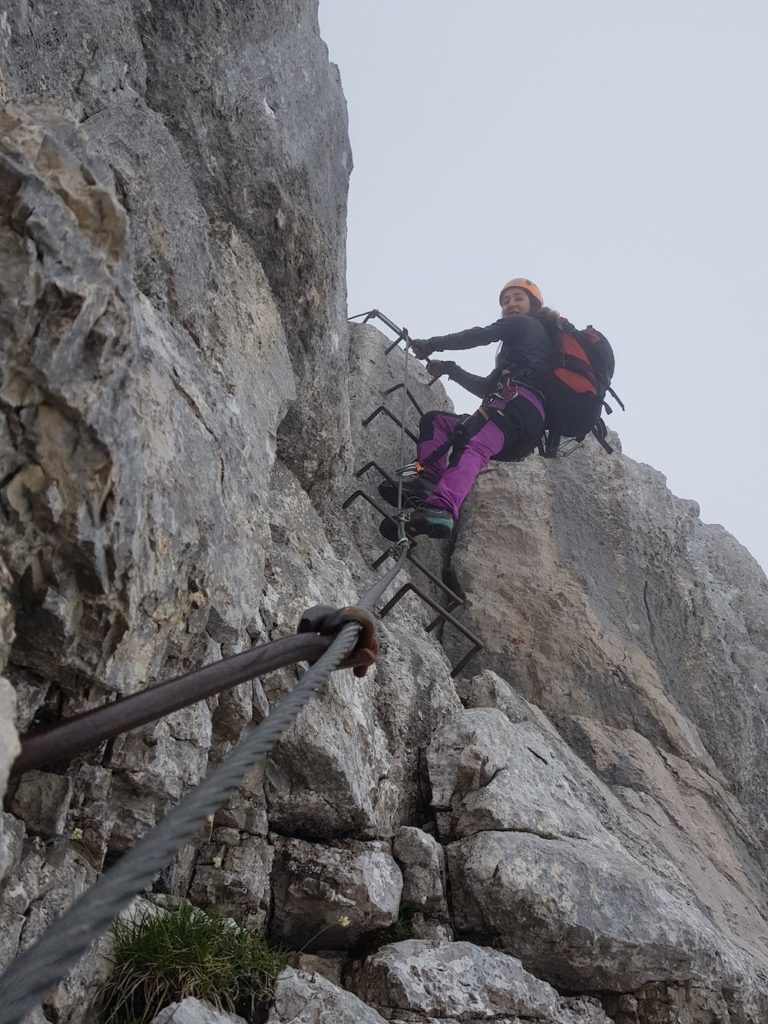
(166, 956)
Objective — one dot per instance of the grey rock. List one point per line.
(328, 776)
(621, 607)
(74, 998)
(154, 766)
(11, 838)
(9, 742)
(689, 1001)
(247, 810)
(488, 773)
(330, 965)
(489, 690)
(455, 980)
(413, 696)
(580, 624)
(582, 1010)
(195, 1011)
(422, 863)
(303, 998)
(42, 802)
(580, 917)
(316, 887)
(667, 814)
(424, 927)
(38, 887)
(237, 877)
(91, 815)
(183, 410)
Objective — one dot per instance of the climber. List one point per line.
(508, 425)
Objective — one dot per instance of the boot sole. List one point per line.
(388, 529)
(412, 499)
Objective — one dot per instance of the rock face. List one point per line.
(183, 415)
(331, 896)
(459, 981)
(195, 1011)
(305, 998)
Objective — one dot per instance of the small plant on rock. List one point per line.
(164, 957)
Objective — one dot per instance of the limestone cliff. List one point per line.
(574, 829)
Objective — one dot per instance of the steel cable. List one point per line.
(44, 963)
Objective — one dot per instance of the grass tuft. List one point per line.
(161, 958)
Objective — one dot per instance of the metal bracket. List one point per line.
(397, 387)
(374, 465)
(442, 613)
(388, 412)
(366, 497)
(454, 600)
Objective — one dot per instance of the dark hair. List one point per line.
(546, 314)
(552, 321)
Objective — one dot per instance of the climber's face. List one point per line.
(515, 302)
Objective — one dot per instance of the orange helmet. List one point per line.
(528, 286)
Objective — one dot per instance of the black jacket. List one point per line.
(526, 351)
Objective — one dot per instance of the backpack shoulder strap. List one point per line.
(600, 432)
(550, 442)
(610, 389)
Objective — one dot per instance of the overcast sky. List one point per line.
(614, 151)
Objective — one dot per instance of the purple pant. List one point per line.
(454, 482)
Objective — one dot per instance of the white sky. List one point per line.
(614, 151)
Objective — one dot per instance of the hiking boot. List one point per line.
(432, 522)
(415, 491)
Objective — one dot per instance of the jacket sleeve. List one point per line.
(470, 338)
(476, 385)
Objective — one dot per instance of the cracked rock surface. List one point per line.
(573, 831)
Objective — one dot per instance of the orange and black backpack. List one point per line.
(582, 368)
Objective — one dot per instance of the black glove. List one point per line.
(440, 367)
(421, 349)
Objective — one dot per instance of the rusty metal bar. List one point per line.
(451, 607)
(396, 387)
(366, 497)
(376, 313)
(396, 342)
(401, 332)
(462, 662)
(391, 324)
(388, 412)
(436, 580)
(70, 737)
(374, 465)
(381, 559)
(452, 595)
(442, 612)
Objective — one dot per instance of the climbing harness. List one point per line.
(506, 388)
